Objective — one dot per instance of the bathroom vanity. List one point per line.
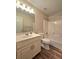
(27, 46)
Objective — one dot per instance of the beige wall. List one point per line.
(45, 27)
(40, 22)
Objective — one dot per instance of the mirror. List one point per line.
(25, 21)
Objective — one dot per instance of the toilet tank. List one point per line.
(42, 35)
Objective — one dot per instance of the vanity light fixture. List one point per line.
(23, 7)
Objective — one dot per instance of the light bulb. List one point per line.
(27, 9)
(31, 11)
(18, 4)
(23, 6)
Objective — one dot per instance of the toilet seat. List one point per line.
(46, 41)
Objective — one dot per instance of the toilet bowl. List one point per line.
(45, 41)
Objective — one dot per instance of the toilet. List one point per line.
(45, 41)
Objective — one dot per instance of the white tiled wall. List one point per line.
(55, 30)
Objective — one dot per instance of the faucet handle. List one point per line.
(30, 32)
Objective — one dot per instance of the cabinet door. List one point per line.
(18, 54)
(26, 53)
(36, 47)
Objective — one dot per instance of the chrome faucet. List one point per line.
(27, 33)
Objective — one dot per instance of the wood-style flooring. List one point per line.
(53, 53)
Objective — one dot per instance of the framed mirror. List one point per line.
(25, 21)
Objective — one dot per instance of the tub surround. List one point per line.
(27, 46)
(55, 30)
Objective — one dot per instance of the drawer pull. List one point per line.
(32, 47)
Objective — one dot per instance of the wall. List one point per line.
(40, 22)
(55, 30)
(45, 27)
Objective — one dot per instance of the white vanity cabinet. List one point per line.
(28, 48)
(18, 54)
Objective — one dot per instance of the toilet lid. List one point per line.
(46, 40)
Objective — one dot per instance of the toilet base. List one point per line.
(45, 46)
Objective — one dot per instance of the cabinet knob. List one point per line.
(32, 47)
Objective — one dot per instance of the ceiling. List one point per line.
(49, 7)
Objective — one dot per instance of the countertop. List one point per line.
(22, 36)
